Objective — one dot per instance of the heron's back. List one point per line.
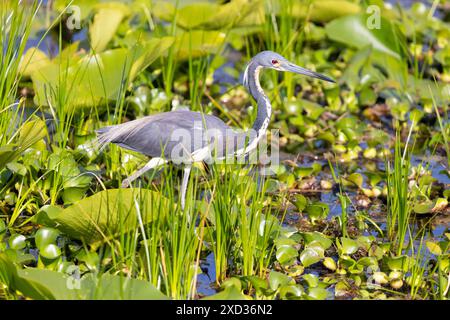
(166, 134)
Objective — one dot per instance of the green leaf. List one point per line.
(312, 254)
(317, 293)
(93, 79)
(29, 133)
(291, 292)
(45, 236)
(278, 279)
(229, 293)
(356, 178)
(319, 10)
(434, 248)
(348, 246)
(17, 242)
(317, 211)
(353, 31)
(115, 287)
(105, 24)
(300, 202)
(198, 43)
(42, 284)
(424, 207)
(108, 213)
(286, 255)
(319, 237)
(50, 251)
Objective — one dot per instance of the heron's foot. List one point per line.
(125, 183)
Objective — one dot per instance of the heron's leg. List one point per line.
(153, 163)
(184, 184)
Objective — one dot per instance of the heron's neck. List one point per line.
(251, 81)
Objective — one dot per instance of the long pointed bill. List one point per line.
(296, 69)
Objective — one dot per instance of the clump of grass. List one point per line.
(398, 198)
(16, 21)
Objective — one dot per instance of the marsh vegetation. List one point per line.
(356, 208)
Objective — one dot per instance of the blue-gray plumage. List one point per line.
(185, 136)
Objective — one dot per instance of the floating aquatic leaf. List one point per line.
(319, 237)
(311, 254)
(319, 10)
(434, 248)
(291, 292)
(317, 293)
(45, 236)
(41, 284)
(278, 279)
(229, 293)
(107, 213)
(317, 211)
(300, 202)
(17, 242)
(356, 178)
(329, 263)
(286, 254)
(95, 78)
(348, 246)
(353, 31)
(105, 24)
(50, 251)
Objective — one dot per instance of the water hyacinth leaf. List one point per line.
(50, 251)
(317, 211)
(45, 236)
(198, 43)
(33, 60)
(309, 237)
(229, 293)
(439, 205)
(286, 255)
(356, 178)
(434, 248)
(278, 279)
(107, 213)
(300, 202)
(260, 285)
(320, 10)
(400, 263)
(146, 52)
(291, 292)
(17, 242)
(317, 293)
(116, 287)
(424, 207)
(29, 134)
(41, 284)
(195, 14)
(348, 246)
(2, 226)
(209, 15)
(353, 31)
(95, 78)
(311, 255)
(311, 279)
(329, 263)
(47, 215)
(105, 24)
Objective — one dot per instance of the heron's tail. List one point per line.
(103, 137)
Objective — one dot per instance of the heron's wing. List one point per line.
(159, 135)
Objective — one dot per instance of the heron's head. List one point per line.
(273, 60)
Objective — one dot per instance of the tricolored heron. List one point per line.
(158, 136)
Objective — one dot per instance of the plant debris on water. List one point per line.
(356, 208)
